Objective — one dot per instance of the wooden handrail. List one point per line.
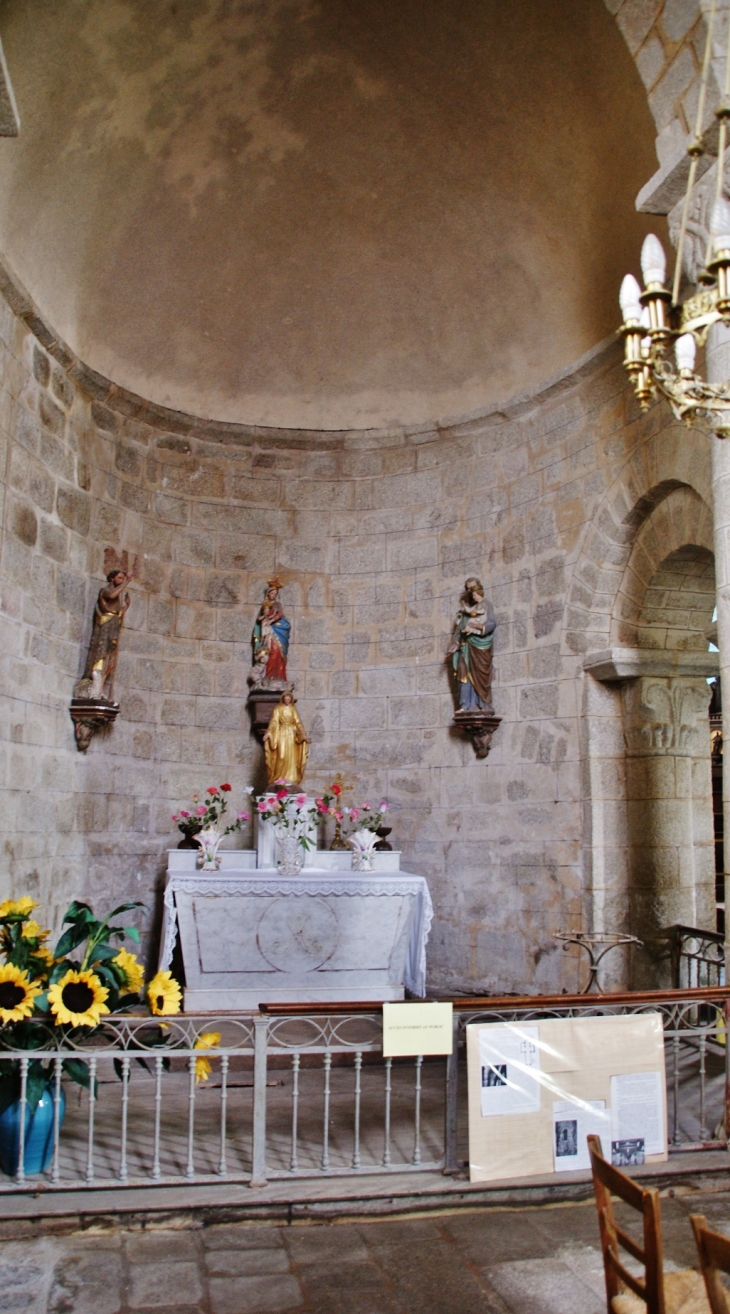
(499, 1003)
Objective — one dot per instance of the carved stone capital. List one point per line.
(666, 716)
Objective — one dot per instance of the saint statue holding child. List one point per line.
(471, 649)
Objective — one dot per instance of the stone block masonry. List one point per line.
(373, 535)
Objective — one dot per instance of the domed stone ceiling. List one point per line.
(323, 213)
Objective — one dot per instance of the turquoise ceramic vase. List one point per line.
(39, 1140)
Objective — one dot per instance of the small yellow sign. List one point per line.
(413, 1029)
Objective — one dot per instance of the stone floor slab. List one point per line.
(149, 1247)
(498, 1237)
(156, 1284)
(246, 1263)
(340, 1244)
(255, 1295)
(241, 1236)
(544, 1286)
(87, 1284)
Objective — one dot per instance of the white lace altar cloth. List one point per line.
(251, 937)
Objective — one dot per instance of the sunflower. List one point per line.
(45, 954)
(21, 908)
(78, 998)
(17, 994)
(164, 994)
(203, 1066)
(32, 931)
(132, 969)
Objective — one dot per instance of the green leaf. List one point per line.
(127, 1001)
(29, 1037)
(132, 933)
(126, 907)
(60, 969)
(107, 975)
(9, 1084)
(38, 1077)
(74, 936)
(78, 1071)
(102, 952)
(79, 912)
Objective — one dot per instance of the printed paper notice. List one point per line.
(413, 1029)
(573, 1121)
(509, 1061)
(637, 1116)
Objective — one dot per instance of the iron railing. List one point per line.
(304, 1092)
(697, 957)
(697, 1061)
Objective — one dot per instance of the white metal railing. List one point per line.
(307, 1093)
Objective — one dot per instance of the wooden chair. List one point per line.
(656, 1292)
(714, 1250)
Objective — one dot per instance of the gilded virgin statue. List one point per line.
(286, 746)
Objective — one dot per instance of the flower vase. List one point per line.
(362, 844)
(39, 1137)
(290, 854)
(208, 839)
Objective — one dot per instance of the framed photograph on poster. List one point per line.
(538, 1089)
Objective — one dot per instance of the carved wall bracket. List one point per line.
(88, 715)
(480, 727)
(260, 704)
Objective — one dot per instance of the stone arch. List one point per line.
(671, 459)
(648, 796)
(666, 40)
(672, 557)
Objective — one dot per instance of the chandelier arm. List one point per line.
(696, 148)
(691, 399)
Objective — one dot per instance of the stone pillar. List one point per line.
(718, 370)
(669, 813)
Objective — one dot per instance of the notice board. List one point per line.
(538, 1088)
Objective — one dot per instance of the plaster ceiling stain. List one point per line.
(324, 213)
(180, 96)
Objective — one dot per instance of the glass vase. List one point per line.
(290, 858)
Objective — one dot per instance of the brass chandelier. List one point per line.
(654, 320)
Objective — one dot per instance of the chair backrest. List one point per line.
(608, 1181)
(714, 1251)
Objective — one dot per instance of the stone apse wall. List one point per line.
(586, 523)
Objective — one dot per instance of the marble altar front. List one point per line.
(250, 936)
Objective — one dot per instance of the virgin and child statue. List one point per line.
(471, 649)
(270, 641)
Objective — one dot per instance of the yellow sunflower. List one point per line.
(133, 970)
(45, 954)
(17, 994)
(32, 931)
(203, 1066)
(164, 994)
(78, 998)
(17, 907)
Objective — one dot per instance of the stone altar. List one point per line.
(249, 935)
